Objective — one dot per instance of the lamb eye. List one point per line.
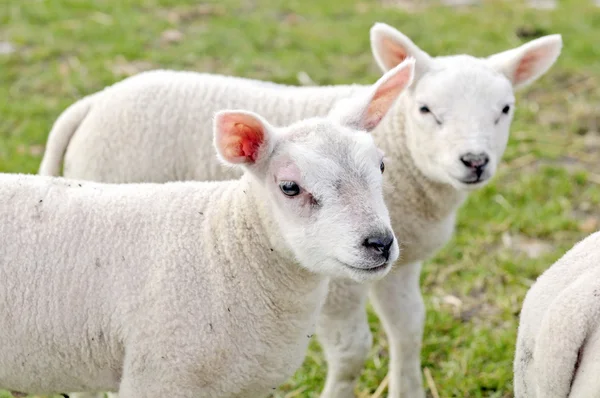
(506, 109)
(424, 109)
(382, 167)
(289, 188)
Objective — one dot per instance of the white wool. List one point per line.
(132, 283)
(189, 289)
(160, 123)
(153, 127)
(558, 343)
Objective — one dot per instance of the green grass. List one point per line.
(546, 193)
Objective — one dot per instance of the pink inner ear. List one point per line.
(250, 141)
(527, 65)
(240, 140)
(385, 97)
(393, 53)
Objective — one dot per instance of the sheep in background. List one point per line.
(190, 289)
(444, 138)
(558, 344)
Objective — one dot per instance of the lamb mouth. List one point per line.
(371, 270)
(474, 181)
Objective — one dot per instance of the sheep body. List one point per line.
(173, 144)
(559, 340)
(155, 292)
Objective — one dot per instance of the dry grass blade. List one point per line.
(431, 383)
(381, 388)
(295, 393)
(595, 178)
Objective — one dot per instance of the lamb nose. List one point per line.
(475, 161)
(380, 244)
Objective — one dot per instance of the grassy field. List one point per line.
(545, 197)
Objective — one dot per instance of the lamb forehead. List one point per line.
(463, 76)
(327, 148)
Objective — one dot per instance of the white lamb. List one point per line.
(558, 344)
(194, 289)
(444, 138)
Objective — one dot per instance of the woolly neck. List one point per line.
(431, 199)
(279, 269)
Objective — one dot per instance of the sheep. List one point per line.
(558, 340)
(194, 289)
(443, 139)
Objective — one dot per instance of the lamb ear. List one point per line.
(242, 137)
(390, 48)
(524, 64)
(365, 112)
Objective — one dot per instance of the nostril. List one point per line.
(380, 244)
(389, 240)
(475, 161)
(374, 243)
(484, 160)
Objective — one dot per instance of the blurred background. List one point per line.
(545, 197)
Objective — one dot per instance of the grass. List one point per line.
(545, 197)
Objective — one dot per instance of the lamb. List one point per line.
(194, 289)
(443, 139)
(559, 339)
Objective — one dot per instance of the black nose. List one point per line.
(475, 161)
(381, 244)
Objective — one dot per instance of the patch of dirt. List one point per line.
(171, 36)
(102, 18)
(362, 8)
(33, 150)
(6, 48)
(531, 247)
(590, 224)
(187, 14)
(529, 32)
(123, 68)
(542, 4)
(292, 19)
(584, 156)
(460, 3)
(564, 84)
(584, 116)
(568, 112)
(464, 308)
(409, 6)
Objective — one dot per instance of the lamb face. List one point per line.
(459, 110)
(459, 119)
(325, 186)
(322, 179)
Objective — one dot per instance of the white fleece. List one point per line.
(160, 287)
(153, 127)
(156, 126)
(558, 344)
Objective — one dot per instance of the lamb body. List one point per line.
(145, 274)
(173, 144)
(194, 289)
(120, 135)
(558, 342)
